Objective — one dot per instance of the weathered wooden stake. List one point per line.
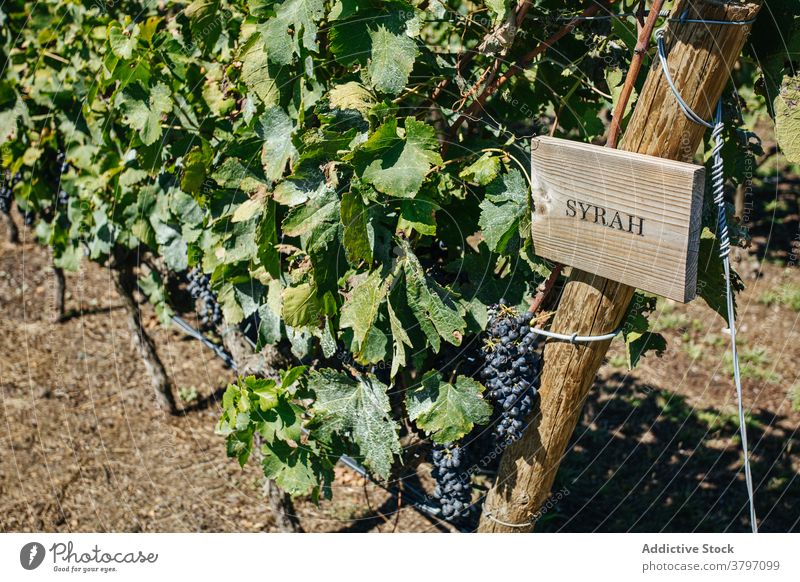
(701, 57)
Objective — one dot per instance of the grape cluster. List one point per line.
(62, 166)
(7, 190)
(452, 484)
(199, 288)
(511, 370)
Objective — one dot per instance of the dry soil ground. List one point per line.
(82, 447)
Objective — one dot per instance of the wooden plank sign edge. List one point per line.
(625, 216)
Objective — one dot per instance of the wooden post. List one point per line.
(701, 57)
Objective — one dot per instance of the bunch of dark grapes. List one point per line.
(7, 190)
(511, 370)
(452, 483)
(200, 289)
(29, 217)
(62, 198)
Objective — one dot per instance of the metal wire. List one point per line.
(574, 337)
(723, 236)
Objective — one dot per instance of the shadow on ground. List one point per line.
(643, 459)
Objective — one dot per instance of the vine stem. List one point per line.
(549, 283)
(518, 67)
(642, 44)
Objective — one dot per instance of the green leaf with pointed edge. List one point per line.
(275, 127)
(447, 412)
(635, 331)
(296, 470)
(358, 409)
(711, 275)
(153, 287)
(231, 310)
(142, 109)
(195, 168)
(300, 305)
(298, 16)
(400, 339)
(361, 308)
(256, 72)
(432, 305)
(417, 214)
(482, 171)
(351, 96)
(498, 7)
(358, 235)
(235, 175)
(503, 210)
(397, 165)
(393, 57)
(205, 22)
(267, 240)
(122, 42)
(269, 315)
(172, 246)
(265, 390)
(316, 211)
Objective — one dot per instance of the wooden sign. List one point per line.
(627, 217)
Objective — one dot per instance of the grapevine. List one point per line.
(292, 168)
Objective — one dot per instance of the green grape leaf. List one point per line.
(295, 469)
(275, 127)
(504, 210)
(711, 275)
(417, 214)
(233, 174)
(447, 412)
(361, 306)
(433, 306)
(393, 57)
(359, 409)
(122, 42)
(195, 168)
(320, 209)
(300, 305)
(397, 165)
(636, 330)
(485, 169)
(205, 22)
(358, 235)
(400, 341)
(294, 20)
(351, 96)
(256, 72)
(142, 109)
(153, 287)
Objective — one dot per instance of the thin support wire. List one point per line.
(718, 189)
